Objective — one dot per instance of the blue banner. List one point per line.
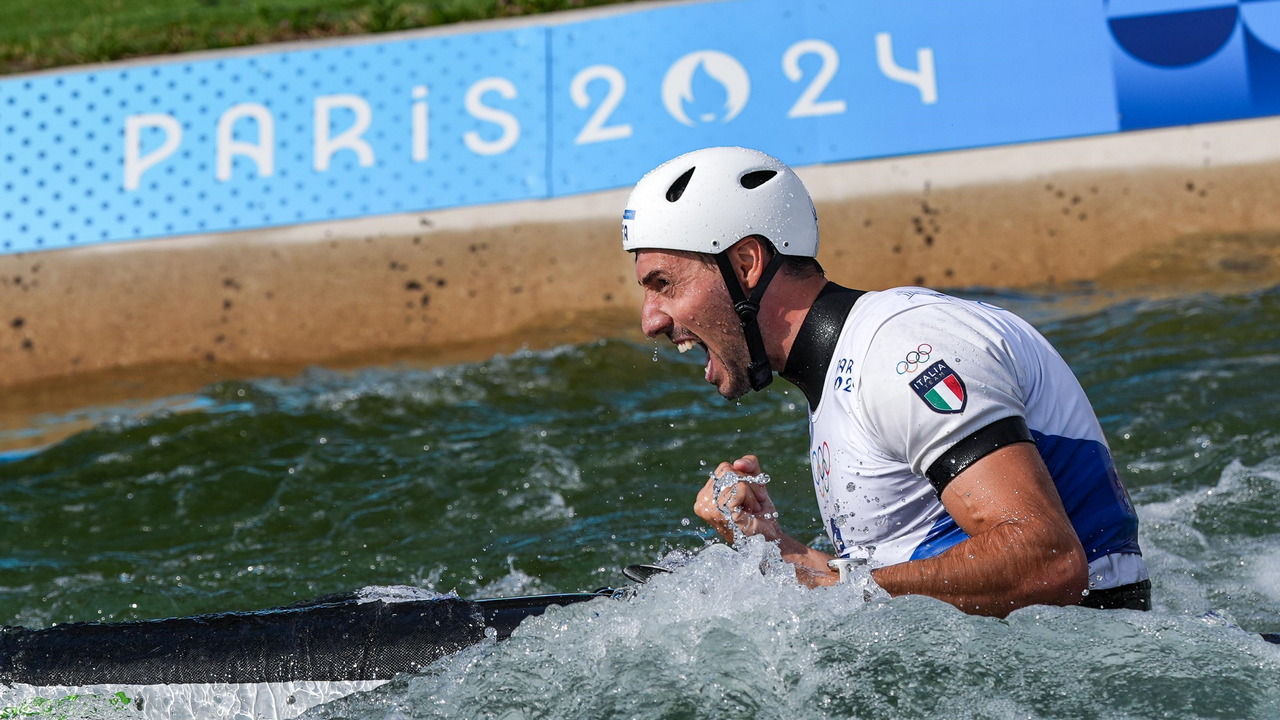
(273, 139)
(815, 82)
(1188, 61)
(261, 139)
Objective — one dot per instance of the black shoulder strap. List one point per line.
(815, 344)
(747, 309)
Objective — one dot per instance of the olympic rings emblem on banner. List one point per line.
(915, 358)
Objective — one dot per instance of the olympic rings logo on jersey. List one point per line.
(914, 359)
(821, 459)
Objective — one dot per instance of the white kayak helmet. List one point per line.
(705, 202)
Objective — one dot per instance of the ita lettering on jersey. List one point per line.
(941, 389)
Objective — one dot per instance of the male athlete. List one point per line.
(948, 438)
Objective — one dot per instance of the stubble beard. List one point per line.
(739, 383)
(734, 359)
(732, 353)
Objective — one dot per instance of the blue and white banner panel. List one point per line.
(821, 81)
(272, 139)
(261, 139)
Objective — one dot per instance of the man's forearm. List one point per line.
(811, 565)
(995, 572)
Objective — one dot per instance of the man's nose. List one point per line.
(653, 320)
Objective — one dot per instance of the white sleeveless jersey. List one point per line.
(916, 371)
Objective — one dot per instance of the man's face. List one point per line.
(686, 300)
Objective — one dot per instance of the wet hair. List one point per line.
(801, 267)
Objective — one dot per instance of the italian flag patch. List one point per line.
(941, 389)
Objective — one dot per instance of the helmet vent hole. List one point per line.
(677, 188)
(756, 178)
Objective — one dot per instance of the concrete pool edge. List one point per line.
(1044, 214)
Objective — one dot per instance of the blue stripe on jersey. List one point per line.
(1096, 502)
(942, 535)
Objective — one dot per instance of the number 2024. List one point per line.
(808, 104)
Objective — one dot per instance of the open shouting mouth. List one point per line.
(686, 344)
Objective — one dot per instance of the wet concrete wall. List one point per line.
(1191, 206)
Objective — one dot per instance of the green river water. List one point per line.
(548, 471)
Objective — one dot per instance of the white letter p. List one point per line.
(135, 163)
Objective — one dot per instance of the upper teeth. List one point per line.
(685, 345)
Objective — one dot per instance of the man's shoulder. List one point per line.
(876, 308)
(901, 328)
(877, 320)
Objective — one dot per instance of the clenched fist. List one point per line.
(748, 503)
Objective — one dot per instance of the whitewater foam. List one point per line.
(731, 633)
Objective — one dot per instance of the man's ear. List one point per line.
(749, 257)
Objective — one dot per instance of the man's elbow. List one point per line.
(1063, 574)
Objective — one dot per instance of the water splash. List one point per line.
(398, 594)
(731, 634)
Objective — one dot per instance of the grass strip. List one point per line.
(55, 33)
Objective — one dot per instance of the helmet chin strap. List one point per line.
(748, 308)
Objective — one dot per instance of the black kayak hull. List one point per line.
(342, 637)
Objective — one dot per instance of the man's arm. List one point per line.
(755, 514)
(1022, 549)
